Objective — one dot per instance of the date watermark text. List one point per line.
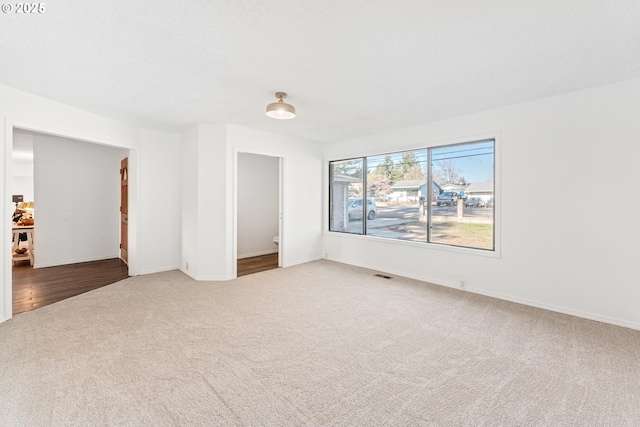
(23, 7)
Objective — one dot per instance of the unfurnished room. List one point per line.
(250, 213)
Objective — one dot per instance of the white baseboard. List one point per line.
(301, 261)
(206, 278)
(270, 251)
(159, 270)
(558, 309)
(497, 295)
(74, 261)
(188, 273)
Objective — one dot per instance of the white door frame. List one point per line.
(134, 267)
(281, 206)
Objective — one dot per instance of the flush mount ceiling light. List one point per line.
(281, 110)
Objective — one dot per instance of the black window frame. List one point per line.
(429, 197)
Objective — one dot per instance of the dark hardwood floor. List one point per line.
(37, 287)
(257, 264)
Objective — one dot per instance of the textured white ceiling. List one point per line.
(350, 67)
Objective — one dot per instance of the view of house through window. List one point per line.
(346, 196)
(458, 211)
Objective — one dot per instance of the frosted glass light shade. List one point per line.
(281, 110)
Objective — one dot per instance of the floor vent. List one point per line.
(383, 276)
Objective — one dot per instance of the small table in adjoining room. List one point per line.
(17, 230)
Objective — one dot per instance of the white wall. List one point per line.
(573, 251)
(258, 207)
(215, 254)
(22, 165)
(23, 185)
(204, 182)
(209, 152)
(189, 141)
(77, 193)
(301, 224)
(159, 198)
(22, 110)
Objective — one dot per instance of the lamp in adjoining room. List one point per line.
(281, 110)
(17, 199)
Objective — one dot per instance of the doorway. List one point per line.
(124, 209)
(258, 213)
(76, 191)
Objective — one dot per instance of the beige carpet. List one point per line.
(316, 344)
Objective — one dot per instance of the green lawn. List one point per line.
(476, 235)
(473, 235)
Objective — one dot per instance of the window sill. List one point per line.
(428, 246)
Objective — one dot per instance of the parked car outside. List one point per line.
(474, 202)
(489, 203)
(446, 198)
(355, 209)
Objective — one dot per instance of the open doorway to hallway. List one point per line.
(258, 213)
(76, 190)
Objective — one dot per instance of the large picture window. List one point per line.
(441, 195)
